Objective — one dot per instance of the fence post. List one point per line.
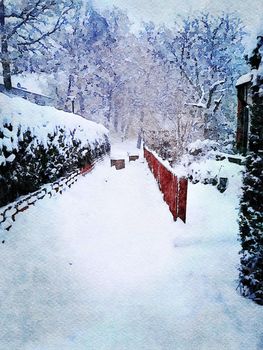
(183, 184)
(174, 202)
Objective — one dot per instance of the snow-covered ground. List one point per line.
(104, 267)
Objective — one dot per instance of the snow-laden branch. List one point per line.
(216, 83)
(200, 103)
(60, 21)
(212, 89)
(207, 104)
(29, 14)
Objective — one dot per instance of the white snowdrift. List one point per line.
(41, 121)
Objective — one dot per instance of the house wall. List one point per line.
(243, 95)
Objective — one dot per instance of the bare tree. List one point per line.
(25, 28)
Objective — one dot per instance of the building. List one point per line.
(244, 96)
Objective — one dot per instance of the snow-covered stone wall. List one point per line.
(39, 144)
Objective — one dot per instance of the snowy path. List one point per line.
(105, 267)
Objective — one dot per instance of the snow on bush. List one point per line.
(205, 163)
(202, 148)
(40, 144)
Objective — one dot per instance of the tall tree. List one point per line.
(206, 52)
(25, 26)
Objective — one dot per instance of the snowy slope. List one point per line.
(44, 120)
(104, 267)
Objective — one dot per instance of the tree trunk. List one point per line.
(115, 121)
(139, 139)
(115, 115)
(4, 49)
(140, 132)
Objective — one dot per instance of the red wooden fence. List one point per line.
(182, 202)
(87, 168)
(174, 190)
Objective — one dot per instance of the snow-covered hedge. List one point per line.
(39, 144)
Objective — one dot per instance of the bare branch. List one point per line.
(212, 89)
(31, 14)
(13, 15)
(43, 36)
(60, 21)
(207, 104)
(183, 71)
(196, 88)
(217, 103)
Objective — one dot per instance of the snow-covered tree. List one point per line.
(205, 56)
(24, 27)
(79, 56)
(251, 270)
(179, 79)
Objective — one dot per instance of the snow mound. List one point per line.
(205, 163)
(45, 120)
(202, 147)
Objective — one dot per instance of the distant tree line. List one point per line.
(180, 78)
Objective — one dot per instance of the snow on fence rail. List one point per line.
(174, 189)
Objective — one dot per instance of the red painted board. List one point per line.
(183, 184)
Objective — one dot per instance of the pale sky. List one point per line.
(158, 11)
